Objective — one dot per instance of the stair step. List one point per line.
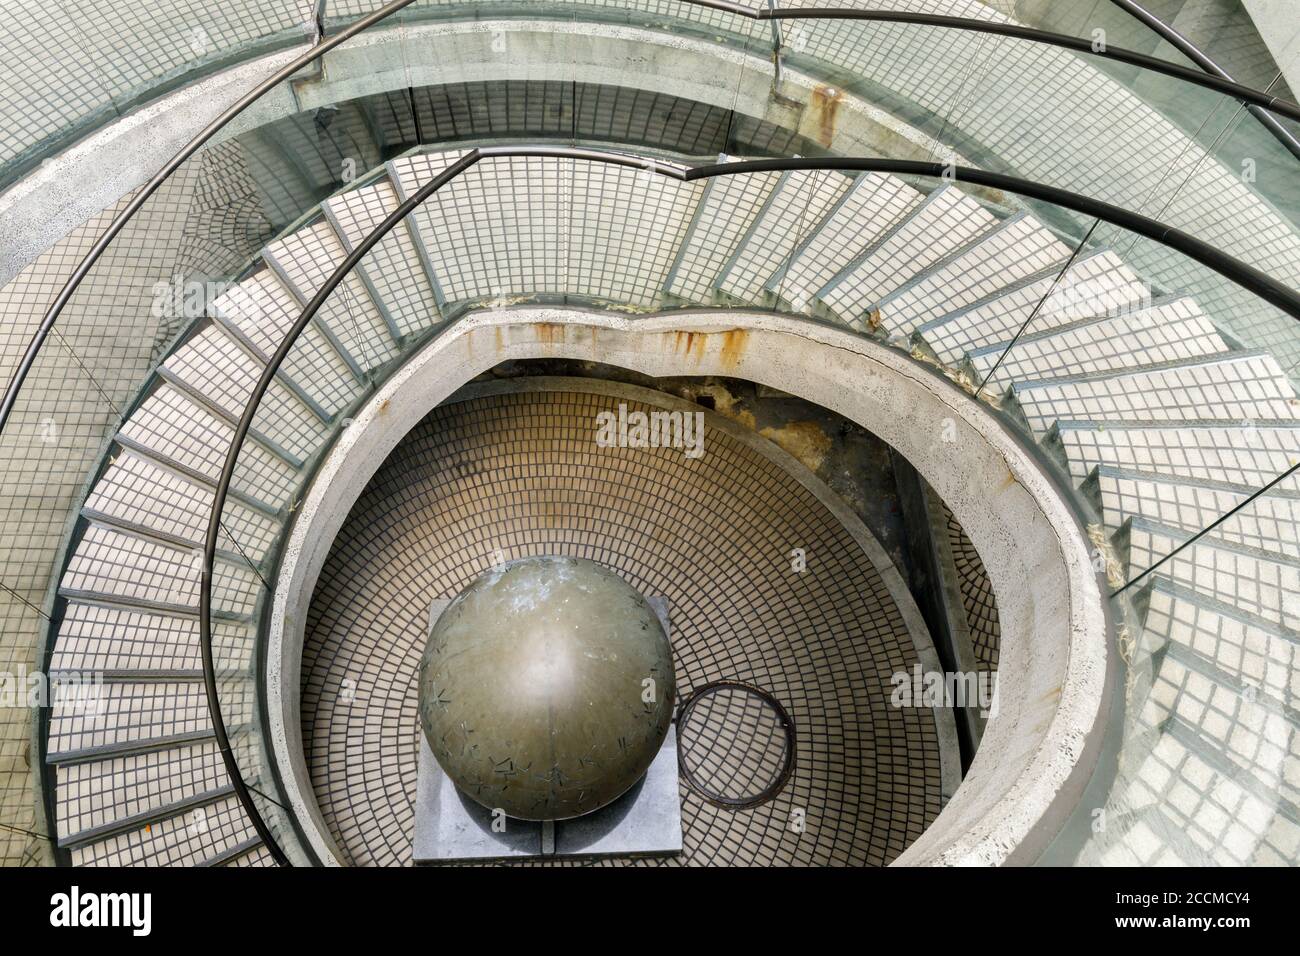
(98, 798)
(1246, 453)
(1255, 582)
(144, 716)
(121, 566)
(136, 491)
(1170, 331)
(187, 840)
(1250, 651)
(396, 267)
(189, 474)
(727, 209)
(96, 638)
(520, 249)
(186, 433)
(800, 200)
(263, 310)
(1271, 523)
(219, 371)
(251, 852)
(1222, 723)
(624, 231)
(947, 221)
(304, 260)
(1015, 250)
(1096, 285)
(448, 220)
(1241, 386)
(872, 206)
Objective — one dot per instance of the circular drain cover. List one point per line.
(735, 744)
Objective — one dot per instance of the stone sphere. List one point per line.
(546, 688)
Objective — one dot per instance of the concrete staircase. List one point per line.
(1164, 422)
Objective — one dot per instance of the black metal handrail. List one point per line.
(1214, 81)
(1198, 56)
(1250, 278)
(1217, 80)
(1246, 276)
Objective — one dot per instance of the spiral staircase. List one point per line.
(1145, 403)
(1162, 418)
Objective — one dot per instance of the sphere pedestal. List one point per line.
(546, 701)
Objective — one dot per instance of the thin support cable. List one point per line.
(24, 600)
(1041, 302)
(1217, 80)
(1208, 528)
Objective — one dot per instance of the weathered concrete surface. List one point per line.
(68, 189)
(99, 170)
(1039, 749)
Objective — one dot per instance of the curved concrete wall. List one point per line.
(1039, 749)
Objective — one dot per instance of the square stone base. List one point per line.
(645, 821)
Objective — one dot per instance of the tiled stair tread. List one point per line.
(1252, 735)
(1257, 582)
(410, 172)
(557, 226)
(650, 216)
(305, 259)
(947, 221)
(727, 209)
(262, 309)
(1250, 454)
(120, 565)
(97, 794)
(217, 368)
(189, 840)
(1228, 686)
(1250, 651)
(252, 853)
(1096, 285)
(1175, 806)
(97, 637)
(394, 264)
(872, 206)
(798, 203)
(1240, 386)
(1169, 332)
(519, 248)
(1149, 317)
(1017, 249)
(1270, 523)
(186, 433)
(129, 713)
(137, 491)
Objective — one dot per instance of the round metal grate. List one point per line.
(735, 744)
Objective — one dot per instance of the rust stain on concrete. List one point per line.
(550, 332)
(733, 346)
(825, 105)
(690, 343)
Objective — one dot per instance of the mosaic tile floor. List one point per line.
(508, 475)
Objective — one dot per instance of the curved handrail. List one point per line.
(1211, 81)
(152, 186)
(1198, 56)
(1218, 81)
(1244, 275)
